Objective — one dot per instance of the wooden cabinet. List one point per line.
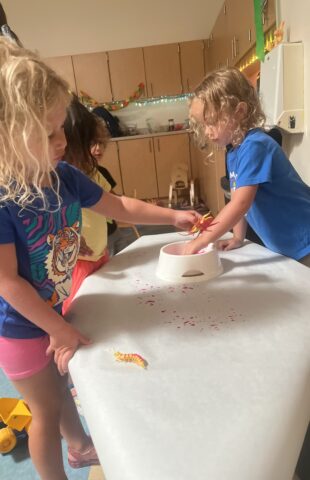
(220, 155)
(138, 168)
(219, 46)
(126, 71)
(111, 162)
(233, 34)
(269, 14)
(210, 166)
(162, 70)
(241, 28)
(192, 64)
(169, 151)
(92, 75)
(207, 56)
(64, 67)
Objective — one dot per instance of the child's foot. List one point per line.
(87, 458)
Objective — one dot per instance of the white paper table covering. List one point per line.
(226, 394)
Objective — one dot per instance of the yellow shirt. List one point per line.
(94, 226)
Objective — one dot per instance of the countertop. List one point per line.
(149, 135)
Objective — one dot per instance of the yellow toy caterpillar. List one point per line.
(131, 357)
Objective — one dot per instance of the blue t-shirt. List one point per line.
(47, 245)
(280, 213)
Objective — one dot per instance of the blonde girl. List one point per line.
(266, 190)
(40, 219)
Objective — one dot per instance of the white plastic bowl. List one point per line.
(202, 266)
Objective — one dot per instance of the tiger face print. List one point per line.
(61, 260)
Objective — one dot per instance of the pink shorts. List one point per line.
(23, 357)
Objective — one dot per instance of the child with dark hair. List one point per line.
(5, 30)
(86, 134)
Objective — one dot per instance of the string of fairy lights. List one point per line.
(144, 102)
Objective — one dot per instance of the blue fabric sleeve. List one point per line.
(254, 164)
(7, 234)
(89, 192)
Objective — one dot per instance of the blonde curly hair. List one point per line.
(29, 90)
(220, 92)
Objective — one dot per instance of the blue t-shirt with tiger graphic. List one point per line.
(47, 245)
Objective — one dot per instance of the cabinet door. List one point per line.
(111, 162)
(192, 64)
(162, 70)
(197, 162)
(92, 75)
(126, 71)
(207, 56)
(220, 172)
(241, 27)
(170, 151)
(64, 67)
(269, 14)
(220, 48)
(138, 168)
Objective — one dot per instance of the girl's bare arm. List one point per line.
(228, 217)
(126, 209)
(23, 297)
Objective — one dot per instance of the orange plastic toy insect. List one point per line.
(131, 357)
(202, 224)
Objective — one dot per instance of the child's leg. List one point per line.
(70, 424)
(43, 392)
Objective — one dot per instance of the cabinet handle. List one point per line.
(236, 46)
(158, 144)
(152, 90)
(150, 145)
(187, 84)
(232, 49)
(250, 35)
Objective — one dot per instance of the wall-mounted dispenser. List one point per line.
(282, 87)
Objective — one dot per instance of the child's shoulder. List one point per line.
(259, 141)
(64, 169)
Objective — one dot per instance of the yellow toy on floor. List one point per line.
(15, 414)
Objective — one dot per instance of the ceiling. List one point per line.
(61, 27)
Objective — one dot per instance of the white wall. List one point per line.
(296, 16)
(61, 27)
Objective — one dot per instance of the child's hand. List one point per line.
(84, 248)
(186, 219)
(191, 247)
(64, 344)
(229, 244)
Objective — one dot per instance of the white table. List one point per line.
(226, 395)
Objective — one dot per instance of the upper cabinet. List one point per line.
(92, 75)
(63, 66)
(233, 34)
(219, 43)
(126, 72)
(162, 69)
(269, 14)
(192, 64)
(241, 33)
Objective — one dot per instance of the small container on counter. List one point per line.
(170, 125)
